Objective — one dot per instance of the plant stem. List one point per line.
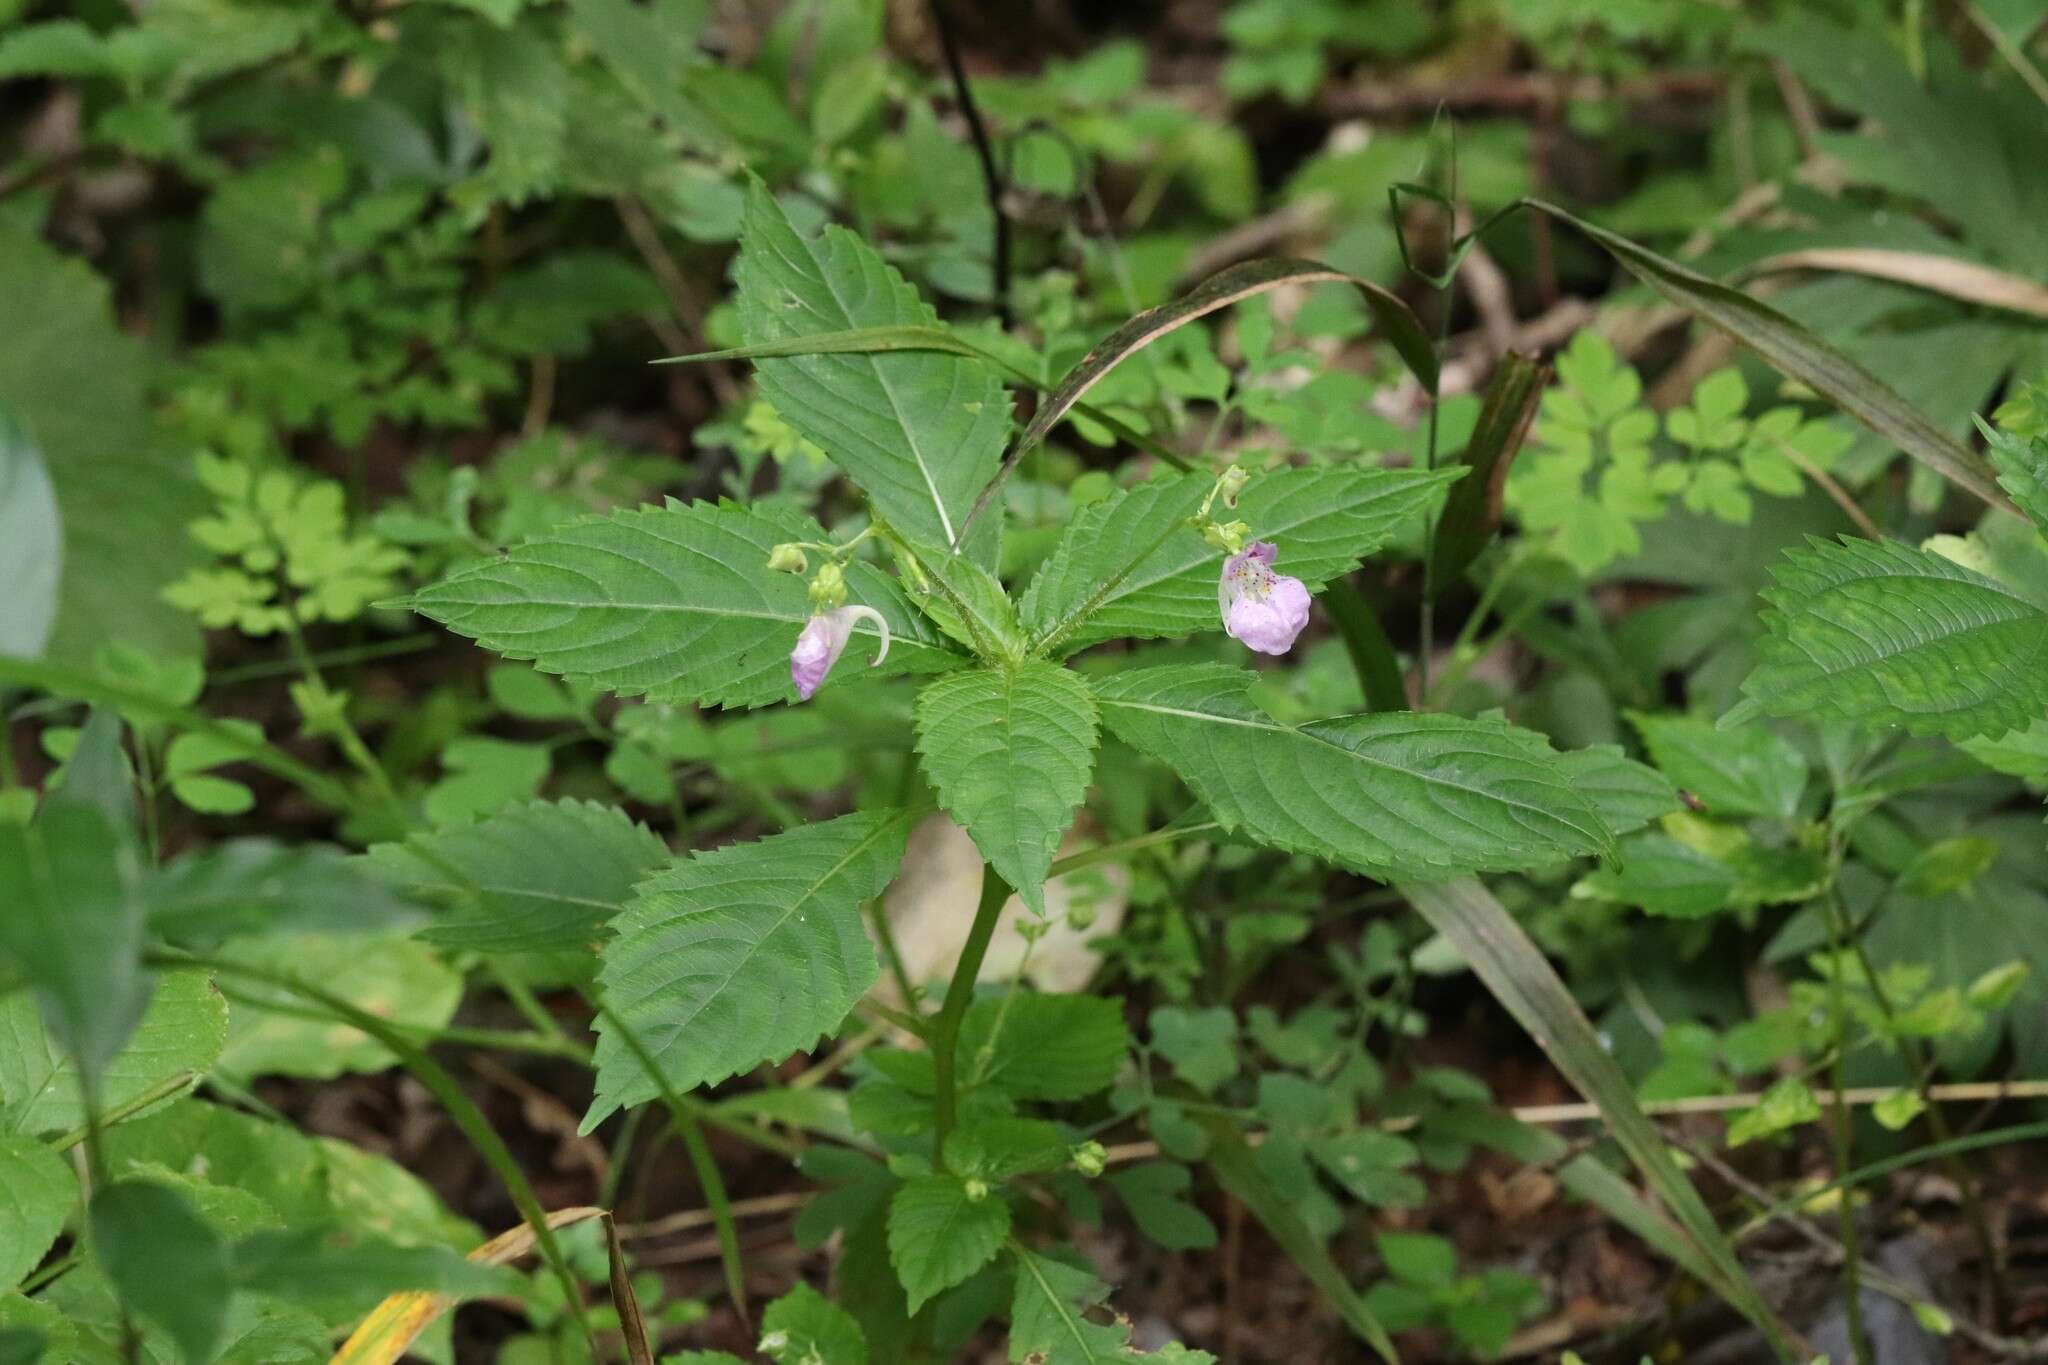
(1838, 1012)
(991, 177)
(1365, 640)
(945, 1033)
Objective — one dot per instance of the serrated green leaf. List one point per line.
(675, 602)
(804, 1326)
(941, 1231)
(995, 1148)
(249, 886)
(1392, 794)
(920, 432)
(2022, 465)
(1627, 794)
(1125, 566)
(1745, 770)
(36, 1195)
(535, 877)
(166, 1263)
(742, 955)
(1010, 751)
(1043, 1047)
(182, 1031)
(1889, 635)
(1049, 1322)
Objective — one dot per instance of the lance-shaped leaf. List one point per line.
(675, 602)
(1408, 794)
(1010, 751)
(1887, 634)
(534, 877)
(1130, 565)
(920, 431)
(741, 956)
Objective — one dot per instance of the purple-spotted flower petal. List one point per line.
(1262, 609)
(824, 639)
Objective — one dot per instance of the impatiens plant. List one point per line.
(748, 953)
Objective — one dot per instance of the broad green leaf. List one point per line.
(1792, 349)
(674, 602)
(532, 877)
(1742, 770)
(73, 927)
(1418, 1257)
(742, 955)
(1156, 1193)
(310, 1181)
(1233, 284)
(1884, 634)
(1406, 794)
(968, 603)
(1050, 1322)
(1010, 751)
(36, 1195)
(1200, 1045)
(2022, 465)
(1514, 969)
(181, 1032)
(252, 886)
(995, 1148)
(1627, 794)
(920, 432)
(1130, 566)
(31, 545)
(803, 1325)
(77, 387)
(166, 1263)
(1657, 873)
(270, 1032)
(1043, 1047)
(941, 1230)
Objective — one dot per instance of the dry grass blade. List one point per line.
(1949, 275)
(397, 1322)
(627, 1303)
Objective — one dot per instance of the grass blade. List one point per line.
(1522, 979)
(1237, 1169)
(1399, 324)
(1472, 509)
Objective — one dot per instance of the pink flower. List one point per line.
(1263, 609)
(824, 639)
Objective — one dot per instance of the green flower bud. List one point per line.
(1090, 1158)
(788, 558)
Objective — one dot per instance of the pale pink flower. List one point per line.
(824, 639)
(1263, 609)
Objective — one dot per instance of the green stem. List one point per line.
(162, 1090)
(1838, 1011)
(1365, 640)
(1089, 857)
(945, 1033)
